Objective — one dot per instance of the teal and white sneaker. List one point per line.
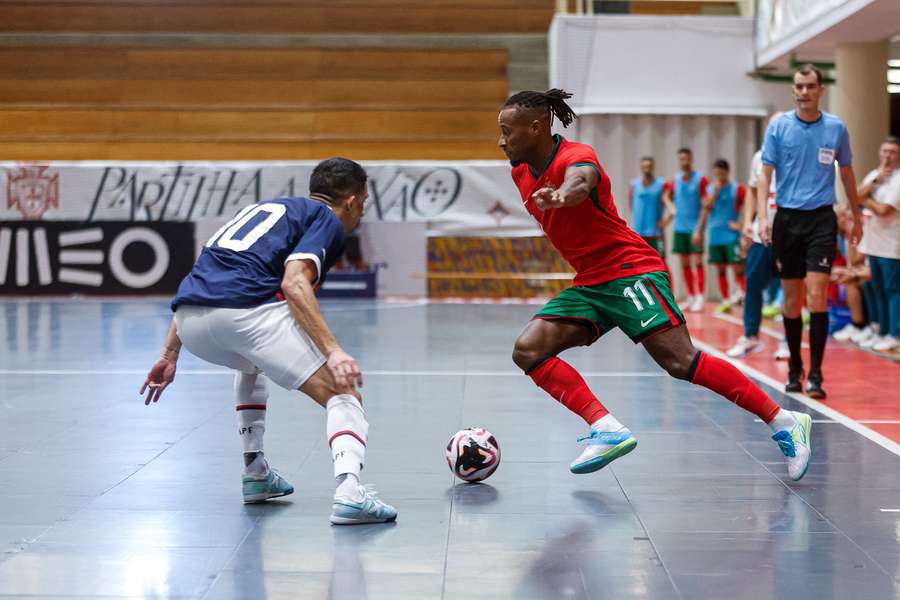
(602, 447)
(796, 444)
(370, 509)
(259, 488)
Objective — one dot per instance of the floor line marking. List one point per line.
(763, 328)
(897, 510)
(863, 421)
(375, 373)
(883, 441)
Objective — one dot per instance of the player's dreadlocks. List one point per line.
(553, 100)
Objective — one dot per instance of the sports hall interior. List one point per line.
(108, 498)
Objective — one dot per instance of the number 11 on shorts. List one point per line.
(630, 293)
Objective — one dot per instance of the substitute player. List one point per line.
(645, 199)
(249, 304)
(721, 206)
(684, 196)
(620, 282)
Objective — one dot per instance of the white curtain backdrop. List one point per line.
(621, 141)
(661, 65)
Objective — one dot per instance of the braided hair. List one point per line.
(554, 101)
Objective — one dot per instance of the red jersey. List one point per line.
(590, 236)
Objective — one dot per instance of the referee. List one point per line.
(801, 147)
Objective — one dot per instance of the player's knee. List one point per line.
(792, 306)
(526, 354)
(678, 364)
(817, 299)
(678, 368)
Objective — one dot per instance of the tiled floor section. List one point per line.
(861, 385)
(106, 498)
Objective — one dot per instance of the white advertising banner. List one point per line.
(450, 198)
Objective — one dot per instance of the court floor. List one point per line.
(106, 498)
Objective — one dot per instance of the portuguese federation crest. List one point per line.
(32, 190)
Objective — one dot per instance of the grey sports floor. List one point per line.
(104, 497)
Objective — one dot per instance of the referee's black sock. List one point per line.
(818, 335)
(793, 335)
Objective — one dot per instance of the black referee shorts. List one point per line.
(804, 240)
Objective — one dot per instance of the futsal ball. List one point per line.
(473, 454)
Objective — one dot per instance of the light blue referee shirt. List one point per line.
(803, 156)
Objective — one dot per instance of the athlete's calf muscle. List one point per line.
(321, 387)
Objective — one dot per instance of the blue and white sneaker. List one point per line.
(602, 447)
(259, 488)
(796, 444)
(370, 509)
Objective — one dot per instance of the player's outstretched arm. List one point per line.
(301, 299)
(162, 373)
(576, 188)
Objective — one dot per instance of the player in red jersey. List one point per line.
(620, 282)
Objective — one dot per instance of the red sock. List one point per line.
(724, 379)
(561, 381)
(723, 285)
(688, 279)
(701, 280)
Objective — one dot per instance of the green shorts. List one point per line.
(681, 244)
(640, 306)
(657, 244)
(724, 254)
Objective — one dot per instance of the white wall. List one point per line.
(658, 65)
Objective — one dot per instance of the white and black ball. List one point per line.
(473, 454)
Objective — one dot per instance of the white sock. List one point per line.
(607, 423)
(348, 487)
(783, 420)
(347, 431)
(251, 395)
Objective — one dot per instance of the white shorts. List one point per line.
(265, 339)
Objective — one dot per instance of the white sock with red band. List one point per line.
(251, 396)
(347, 431)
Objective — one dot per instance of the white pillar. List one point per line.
(860, 98)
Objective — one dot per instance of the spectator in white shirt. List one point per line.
(879, 192)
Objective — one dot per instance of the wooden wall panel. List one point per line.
(297, 150)
(176, 125)
(232, 103)
(426, 16)
(674, 7)
(251, 63)
(273, 94)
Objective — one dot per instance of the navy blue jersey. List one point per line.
(243, 263)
